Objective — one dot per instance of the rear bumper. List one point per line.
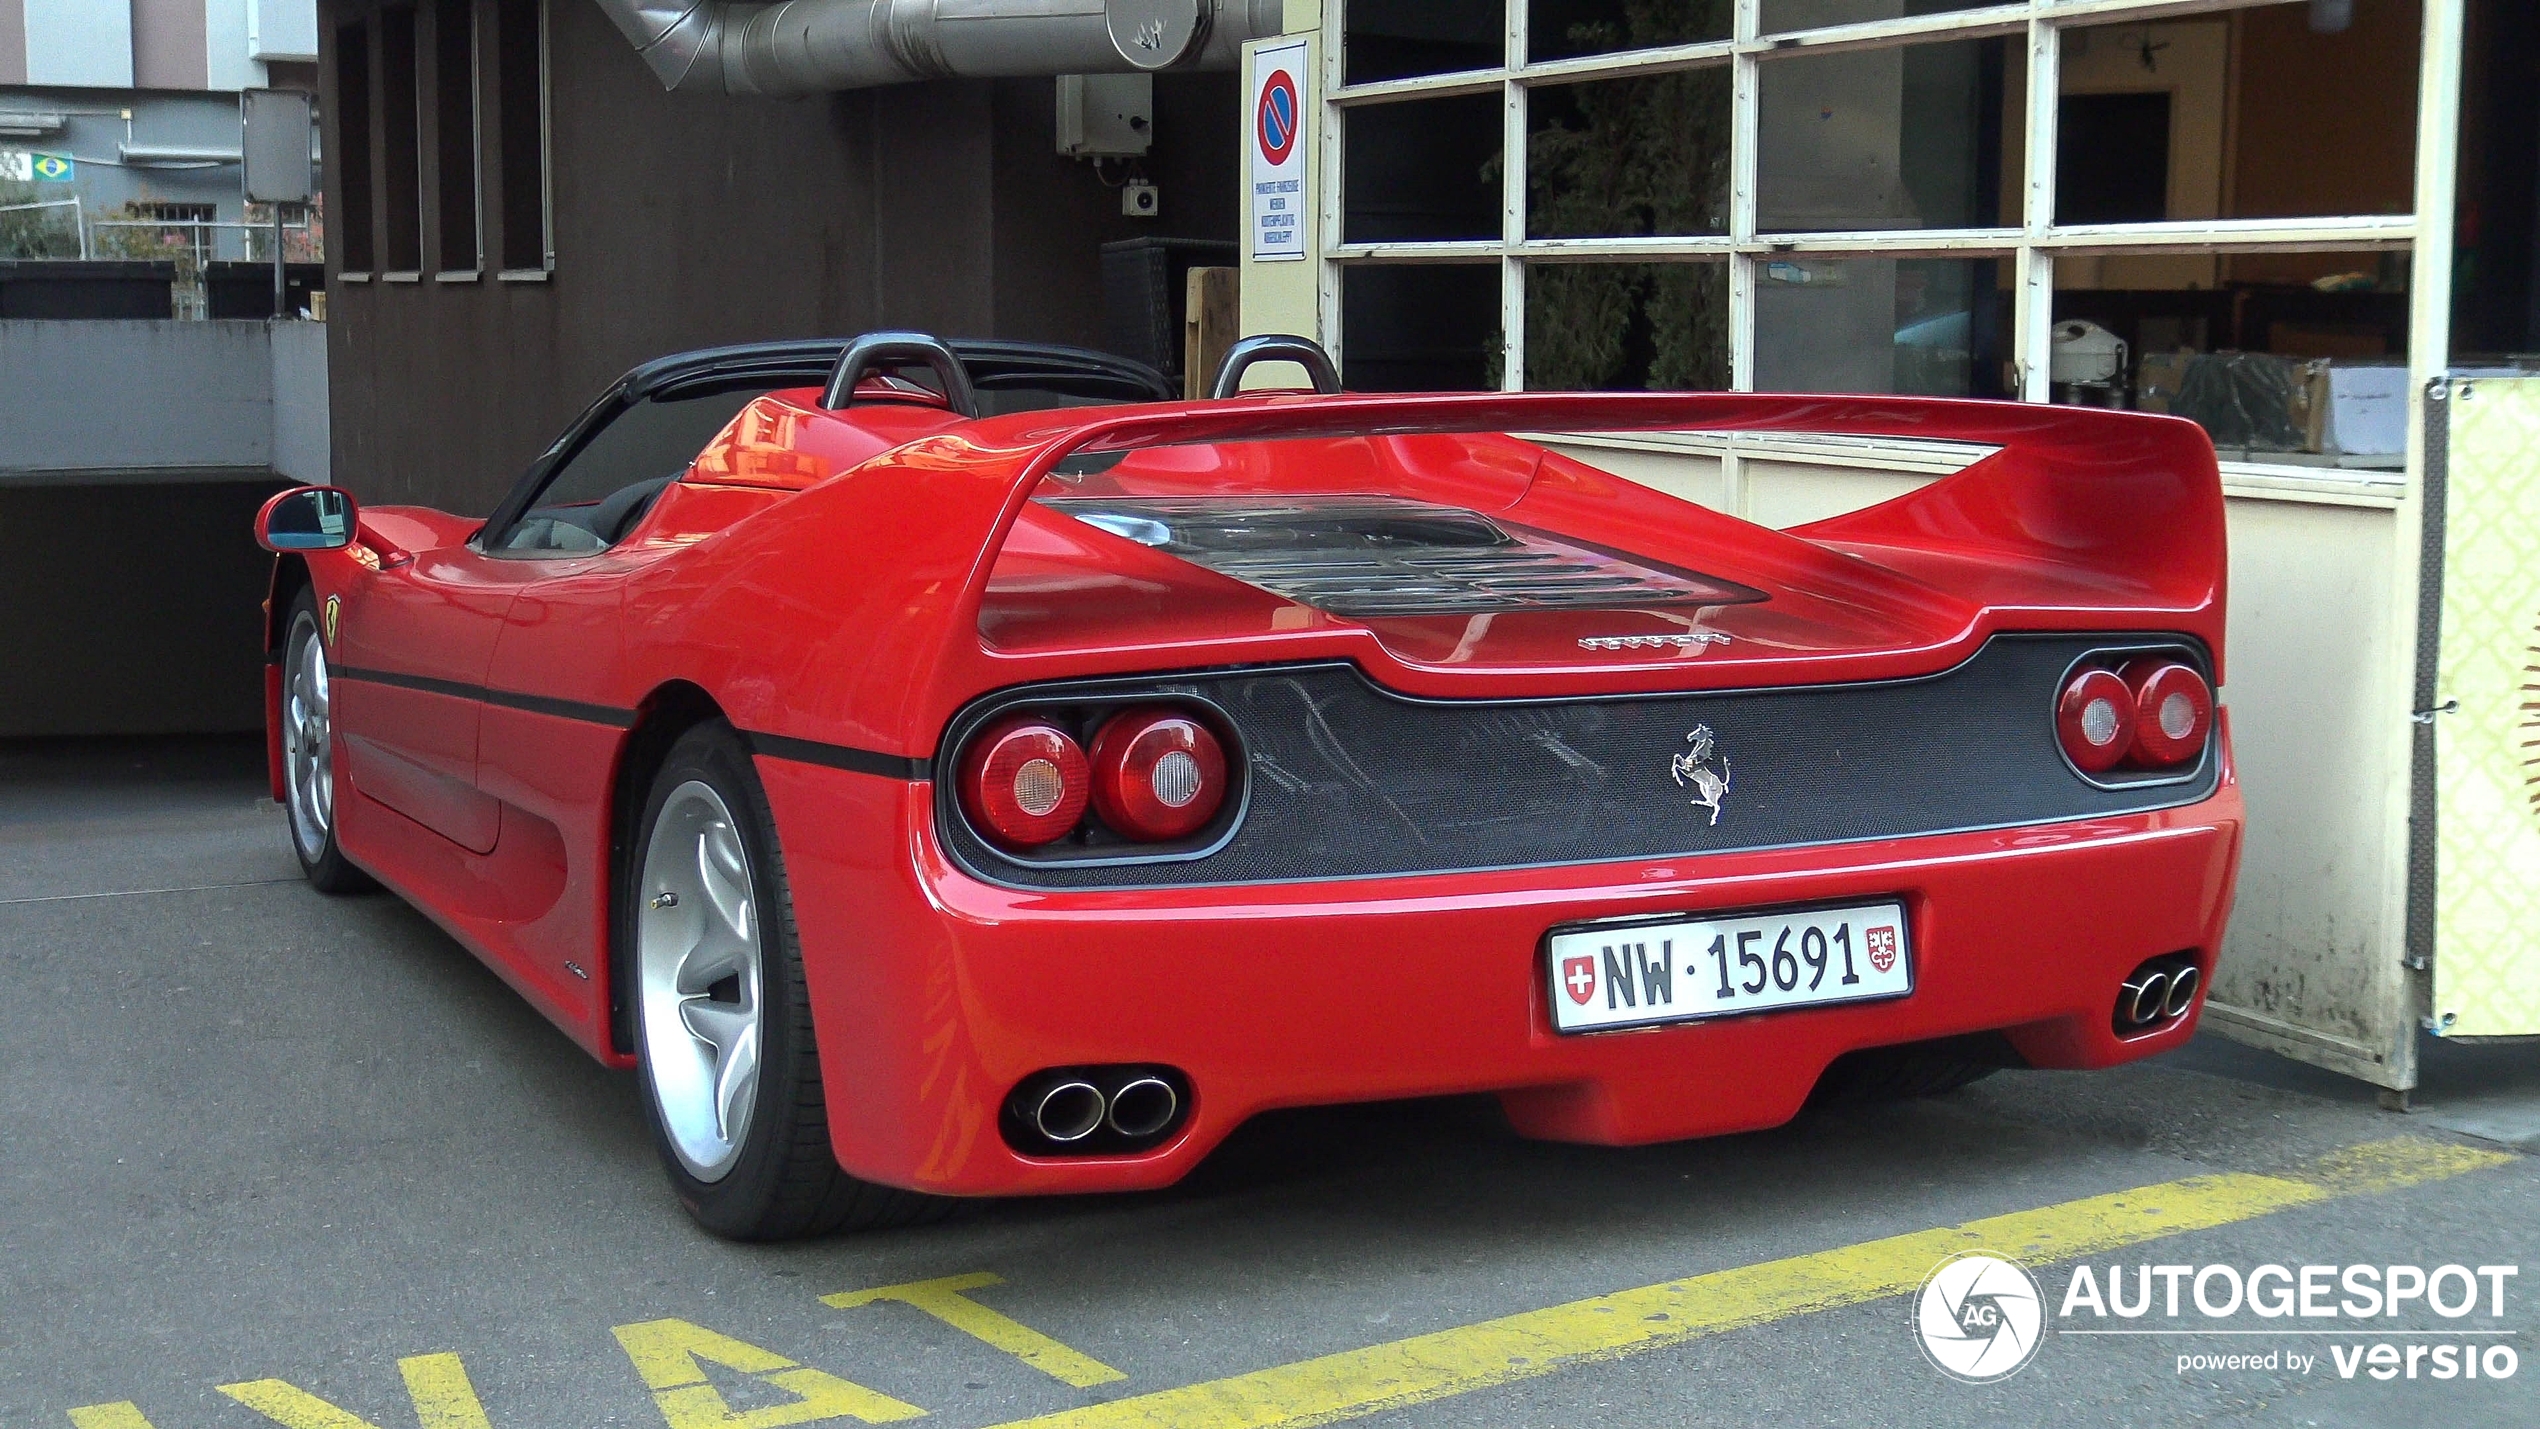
(935, 993)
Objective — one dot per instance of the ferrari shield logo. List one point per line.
(1578, 978)
(334, 609)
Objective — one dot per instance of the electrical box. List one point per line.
(1105, 116)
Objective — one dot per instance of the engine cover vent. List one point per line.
(1370, 556)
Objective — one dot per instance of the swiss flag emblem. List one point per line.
(1578, 978)
(1882, 945)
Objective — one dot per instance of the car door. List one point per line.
(419, 636)
(411, 646)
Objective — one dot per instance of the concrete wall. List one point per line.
(301, 422)
(111, 395)
(91, 397)
(133, 456)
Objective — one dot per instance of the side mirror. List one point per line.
(307, 518)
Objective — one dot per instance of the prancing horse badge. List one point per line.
(1692, 770)
(334, 609)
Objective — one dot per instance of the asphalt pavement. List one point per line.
(275, 1157)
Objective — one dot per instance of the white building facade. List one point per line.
(130, 109)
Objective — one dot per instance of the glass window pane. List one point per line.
(2255, 115)
(1934, 327)
(1560, 29)
(1629, 157)
(1620, 326)
(1781, 15)
(1910, 137)
(645, 448)
(401, 179)
(349, 156)
(1420, 328)
(2499, 219)
(2268, 350)
(648, 441)
(1395, 39)
(1422, 169)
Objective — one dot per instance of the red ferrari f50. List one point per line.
(1012, 782)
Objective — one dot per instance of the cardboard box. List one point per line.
(2157, 377)
(2307, 404)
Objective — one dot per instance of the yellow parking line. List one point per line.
(1458, 1361)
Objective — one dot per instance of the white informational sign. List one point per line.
(2368, 410)
(1278, 153)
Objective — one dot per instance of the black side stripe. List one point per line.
(775, 746)
(840, 756)
(608, 715)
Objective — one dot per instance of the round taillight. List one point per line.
(2095, 720)
(1159, 774)
(1024, 782)
(2173, 711)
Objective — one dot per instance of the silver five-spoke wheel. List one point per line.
(308, 748)
(700, 971)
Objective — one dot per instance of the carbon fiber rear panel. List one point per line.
(1349, 781)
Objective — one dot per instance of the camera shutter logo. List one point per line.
(1979, 1318)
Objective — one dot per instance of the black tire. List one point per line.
(784, 1182)
(312, 833)
(1917, 1069)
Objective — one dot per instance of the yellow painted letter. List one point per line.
(438, 1385)
(944, 1300)
(668, 1354)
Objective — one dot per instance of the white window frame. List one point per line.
(2032, 244)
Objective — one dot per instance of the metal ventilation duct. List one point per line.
(806, 46)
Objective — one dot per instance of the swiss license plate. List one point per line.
(1640, 972)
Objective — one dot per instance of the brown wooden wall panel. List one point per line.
(690, 219)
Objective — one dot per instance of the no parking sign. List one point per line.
(1278, 160)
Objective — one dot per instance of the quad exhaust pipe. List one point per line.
(2156, 994)
(1068, 1112)
(1143, 1108)
(1088, 1111)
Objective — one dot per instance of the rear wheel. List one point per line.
(723, 1021)
(308, 753)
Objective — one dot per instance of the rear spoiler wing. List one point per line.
(2130, 505)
